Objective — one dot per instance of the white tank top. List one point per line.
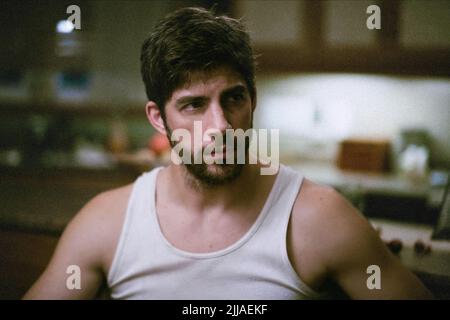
(147, 266)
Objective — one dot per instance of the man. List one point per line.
(217, 231)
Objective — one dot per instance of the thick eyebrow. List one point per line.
(239, 88)
(189, 99)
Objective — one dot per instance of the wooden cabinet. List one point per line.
(24, 257)
(328, 35)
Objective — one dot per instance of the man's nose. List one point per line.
(216, 119)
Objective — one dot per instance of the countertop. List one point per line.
(396, 184)
(437, 262)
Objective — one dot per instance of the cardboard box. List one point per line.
(364, 155)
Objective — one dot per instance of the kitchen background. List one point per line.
(366, 111)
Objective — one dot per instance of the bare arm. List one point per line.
(360, 247)
(347, 245)
(87, 243)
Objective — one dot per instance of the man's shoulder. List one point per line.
(108, 202)
(98, 224)
(105, 212)
(327, 219)
(316, 202)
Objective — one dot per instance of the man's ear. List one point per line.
(154, 117)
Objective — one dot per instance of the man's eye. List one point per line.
(238, 97)
(192, 106)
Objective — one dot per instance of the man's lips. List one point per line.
(222, 152)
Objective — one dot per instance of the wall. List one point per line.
(330, 107)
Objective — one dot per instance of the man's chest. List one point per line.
(205, 232)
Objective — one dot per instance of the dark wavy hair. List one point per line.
(193, 39)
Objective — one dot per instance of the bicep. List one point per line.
(66, 277)
(365, 268)
(74, 271)
(344, 246)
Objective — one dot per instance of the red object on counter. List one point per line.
(159, 143)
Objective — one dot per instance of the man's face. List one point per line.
(220, 100)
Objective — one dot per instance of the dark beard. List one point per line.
(213, 175)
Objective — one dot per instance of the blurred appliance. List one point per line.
(417, 137)
(364, 155)
(414, 156)
(442, 228)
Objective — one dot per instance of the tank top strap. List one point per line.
(137, 222)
